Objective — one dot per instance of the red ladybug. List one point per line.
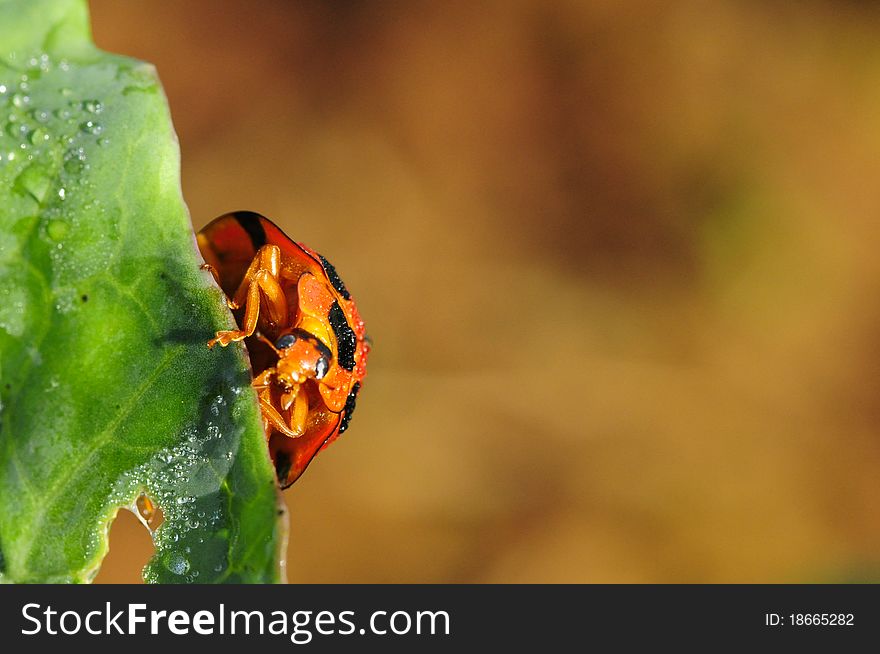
(306, 340)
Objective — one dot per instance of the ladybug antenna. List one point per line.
(265, 340)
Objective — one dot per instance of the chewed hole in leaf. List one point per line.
(131, 547)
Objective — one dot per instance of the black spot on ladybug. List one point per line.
(349, 407)
(335, 279)
(84, 298)
(250, 222)
(345, 336)
(282, 466)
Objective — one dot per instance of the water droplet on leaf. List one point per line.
(91, 127)
(35, 181)
(40, 115)
(38, 136)
(57, 229)
(177, 563)
(74, 166)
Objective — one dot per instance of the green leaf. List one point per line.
(107, 388)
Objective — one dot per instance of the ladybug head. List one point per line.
(301, 356)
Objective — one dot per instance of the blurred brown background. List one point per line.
(618, 259)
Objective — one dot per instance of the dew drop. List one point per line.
(93, 106)
(57, 229)
(91, 127)
(20, 100)
(177, 563)
(35, 181)
(16, 130)
(38, 136)
(74, 166)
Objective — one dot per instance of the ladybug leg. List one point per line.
(296, 403)
(263, 287)
(268, 258)
(300, 411)
(263, 386)
(229, 301)
(260, 286)
(264, 379)
(272, 418)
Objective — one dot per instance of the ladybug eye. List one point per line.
(285, 341)
(321, 367)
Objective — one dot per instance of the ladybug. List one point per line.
(306, 341)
